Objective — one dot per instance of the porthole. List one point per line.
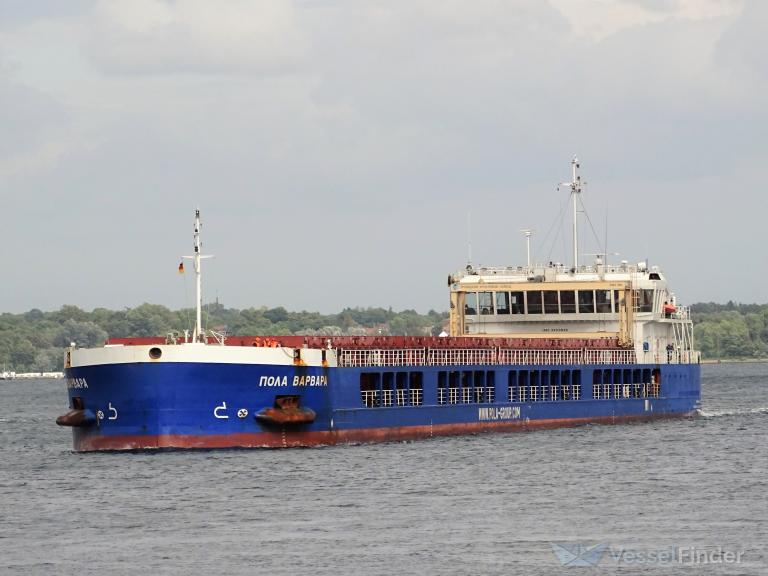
(155, 353)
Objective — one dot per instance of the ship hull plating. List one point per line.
(213, 405)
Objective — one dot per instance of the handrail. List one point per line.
(479, 356)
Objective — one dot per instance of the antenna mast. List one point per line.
(528, 233)
(198, 334)
(575, 186)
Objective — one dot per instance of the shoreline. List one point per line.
(736, 361)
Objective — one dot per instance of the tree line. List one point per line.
(35, 340)
(731, 331)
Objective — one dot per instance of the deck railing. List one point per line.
(480, 356)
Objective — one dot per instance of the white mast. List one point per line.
(528, 233)
(199, 334)
(575, 186)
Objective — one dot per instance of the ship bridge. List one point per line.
(631, 303)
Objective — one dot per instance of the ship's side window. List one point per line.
(586, 301)
(470, 303)
(502, 302)
(523, 382)
(576, 385)
(466, 387)
(479, 386)
(597, 384)
(516, 302)
(603, 301)
(512, 394)
(386, 388)
(453, 387)
(655, 383)
(616, 297)
(416, 388)
(551, 305)
(567, 301)
(369, 389)
(534, 302)
(485, 301)
(490, 387)
(554, 383)
(442, 387)
(645, 300)
(402, 388)
(565, 380)
(534, 387)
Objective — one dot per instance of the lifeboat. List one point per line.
(286, 412)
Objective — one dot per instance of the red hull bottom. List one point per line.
(287, 438)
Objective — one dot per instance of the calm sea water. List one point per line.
(490, 504)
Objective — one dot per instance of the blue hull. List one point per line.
(198, 405)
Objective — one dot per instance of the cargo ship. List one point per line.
(532, 346)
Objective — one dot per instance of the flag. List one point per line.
(181, 267)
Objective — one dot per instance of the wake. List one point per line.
(705, 413)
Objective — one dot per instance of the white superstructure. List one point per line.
(630, 303)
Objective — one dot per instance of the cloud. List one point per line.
(598, 19)
(38, 131)
(743, 48)
(195, 37)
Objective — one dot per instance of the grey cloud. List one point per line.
(656, 5)
(157, 37)
(743, 47)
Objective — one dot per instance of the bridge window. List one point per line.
(517, 305)
(603, 301)
(644, 300)
(470, 303)
(568, 301)
(534, 302)
(502, 302)
(485, 301)
(551, 304)
(586, 301)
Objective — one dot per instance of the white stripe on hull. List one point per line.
(204, 353)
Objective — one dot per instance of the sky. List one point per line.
(346, 152)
